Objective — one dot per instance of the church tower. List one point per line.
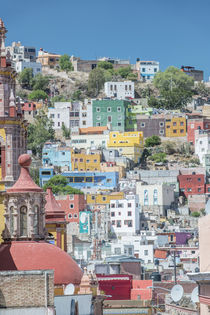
(12, 127)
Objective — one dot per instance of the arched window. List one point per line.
(155, 197)
(23, 221)
(11, 220)
(36, 220)
(146, 200)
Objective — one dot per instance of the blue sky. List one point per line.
(174, 32)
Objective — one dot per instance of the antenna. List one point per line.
(69, 289)
(177, 292)
(194, 295)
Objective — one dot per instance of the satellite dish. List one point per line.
(177, 292)
(83, 217)
(194, 295)
(69, 289)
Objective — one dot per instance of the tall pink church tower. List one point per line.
(13, 129)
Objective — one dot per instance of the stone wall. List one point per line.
(26, 288)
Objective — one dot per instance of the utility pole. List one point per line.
(175, 267)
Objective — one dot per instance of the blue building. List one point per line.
(53, 154)
(45, 174)
(101, 180)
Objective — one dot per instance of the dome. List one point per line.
(28, 255)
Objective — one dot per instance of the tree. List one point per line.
(59, 185)
(195, 214)
(37, 95)
(39, 132)
(105, 65)
(124, 72)
(65, 63)
(26, 78)
(40, 82)
(202, 90)
(158, 157)
(66, 131)
(76, 95)
(175, 88)
(152, 141)
(96, 81)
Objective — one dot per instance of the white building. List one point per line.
(19, 52)
(157, 197)
(202, 144)
(146, 69)
(21, 65)
(125, 215)
(89, 141)
(86, 114)
(119, 90)
(60, 114)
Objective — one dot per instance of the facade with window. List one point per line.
(202, 144)
(125, 215)
(129, 144)
(160, 196)
(89, 141)
(191, 184)
(72, 205)
(119, 90)
(151, 125)
(175, 126)
(137, 110)
(148, 70)
(196, 123)
(110, 113)
(35, 66)
(60, 115)
(85, 162)
(53, 154)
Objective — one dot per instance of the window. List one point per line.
(119, 224)
(129, 205)
(71, 197)
(52, 115)
(119, 117)
(109, 109)
(199, 189)
(75, 215)
(193, 252)
(161, 124)
(95, 161)
(98, 124)
(174, 131)
(181, 123)
(119, 213)
(98, 109)
(87, 161)
(145, 252)
(146, 201)
(119, 124)
(119, 109)
(71, 206)
(98, 117)
(117, 251)
(155, 197)
(112, 205)
(11, 220)
(93, 197)
(199, 179)
(120, 205)
(129, 213)
(23, 221)
(174, 123)
(161, 132)
(130, 223)
(36, 220)
(112, 214)
(109, 119)
(69, 216)
(59, 124)
(81, 160)
(113, 222)
(104, 198)
(111, 87)
(58, 115)
(143, 70)
(155, 69)
(181, 130)
(142, 125)
(189, 189)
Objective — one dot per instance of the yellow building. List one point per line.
(85, 162)
(175, 126)
(48, 59)
(129, 144)
(103, 198)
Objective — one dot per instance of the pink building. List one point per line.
(72, 205)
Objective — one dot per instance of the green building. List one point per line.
(110, 112)
(132, 111)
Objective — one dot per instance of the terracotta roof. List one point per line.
(53, 210)
(92, 130)
(162, 254)
(24, 183)
(28, 255)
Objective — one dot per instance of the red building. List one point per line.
(192, 184)
(195, 124)
(28, 107)
(117, 286)
(72, 205)
(141, 289)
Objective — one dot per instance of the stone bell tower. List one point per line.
(24, 207)
(13, 129)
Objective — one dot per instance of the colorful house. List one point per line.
(72, 205)
(102, 198)
(131, 115)
(85, 162)
(53, 154)
(175, 126)
(129, 144)
(110, 112)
